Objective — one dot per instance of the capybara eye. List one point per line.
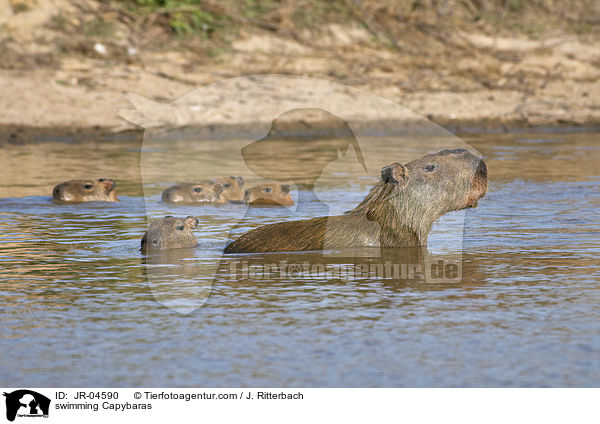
(227, 185)
(180, 227)
(267, 189)
(198, 189)
(429, 168)
(87, 186)
(155, 242)
(102, 180)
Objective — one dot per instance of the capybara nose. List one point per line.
(480, 183)
(482, 169)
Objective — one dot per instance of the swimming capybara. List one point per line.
(221, 190)
(230, 189)
(170, 233)
(78, 191)
(192, 193)
(269, 194)
(398, 211)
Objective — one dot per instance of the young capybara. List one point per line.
(398, 211)
(269, 194)
(221, 190)
(78, 191)
(230, 189)
(192, 193)
(170, 233)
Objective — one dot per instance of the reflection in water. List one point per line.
(78, 310)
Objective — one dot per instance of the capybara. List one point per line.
(221, 190)
(398, 211)
(192, 193)
(78, 191)
(230, 189)
(269, 194)
(170, 233)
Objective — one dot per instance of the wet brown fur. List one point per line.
(230, 189)
(191, 193)
(398, 211)
(170, 233)
(269, 194)
(220, 190)
(78, 191)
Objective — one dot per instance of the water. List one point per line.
(78, 308)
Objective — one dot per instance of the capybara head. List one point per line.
(191, 193)
(170, 233)
(416, 194)
(230, 189)
(269, 194)
(77, 191)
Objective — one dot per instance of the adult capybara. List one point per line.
(398, 211)
(269, 194)
(192, 193)
(78, 191)
(170, 233)
(221, 190)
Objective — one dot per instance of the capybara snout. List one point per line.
(479, 185)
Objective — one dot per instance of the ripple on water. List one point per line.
(77, 307)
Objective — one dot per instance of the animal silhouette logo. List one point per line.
(26, 403)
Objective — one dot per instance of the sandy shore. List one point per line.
(496, 83)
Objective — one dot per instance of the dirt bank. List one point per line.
(59, 78)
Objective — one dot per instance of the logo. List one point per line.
(308, 145)
(26, 403)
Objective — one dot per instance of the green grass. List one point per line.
(216, 19)
(184, 17)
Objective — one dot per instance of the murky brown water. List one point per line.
(78, 309)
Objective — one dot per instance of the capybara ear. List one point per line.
(240, 181)
(167, 217)
(191, 222)
(395, 173)
(285, 188)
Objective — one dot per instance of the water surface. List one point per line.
(78, 309)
